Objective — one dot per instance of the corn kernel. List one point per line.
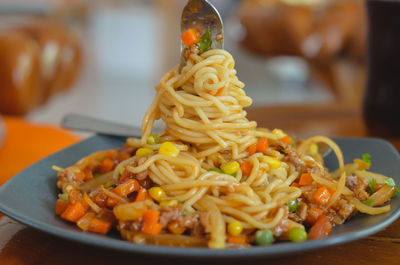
(235, 228)
(168, 148)
(157, 193)
(153, 139)
(279, 133)
(313, 149)
(272, 162)
(230, 168)
(141, 152)
(170, 203)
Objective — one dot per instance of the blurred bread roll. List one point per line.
(315, 29)
(21, 88)
(60, 58)
(38, 58)
(275, 28)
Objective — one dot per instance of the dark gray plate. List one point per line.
(30, 197)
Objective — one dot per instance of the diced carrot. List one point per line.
(252, 149)
(240, 240)
(73, 196)
(84, 222)
(74, 212)
(321, 196)
(88, 174)
(295, 184)
(176, 228)
(127, 187)
(377, 186)
(141, 195)
(321, 228)
(313, 214)
(85, 204)
(111, 153)
(219, 92)
(123, 156)
(246, 168)
(262, 144)
(80, 175)
(99, 226)
(106, 165)
(152, 229)
(150, 222)
(286, 140)
(305, 179)
(151, 216)
(61, 205)
(111, 202)
(190, 37)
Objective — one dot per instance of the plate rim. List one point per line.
(254, 251)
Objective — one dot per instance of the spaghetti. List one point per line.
(213, 178)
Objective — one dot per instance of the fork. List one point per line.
(200, 13)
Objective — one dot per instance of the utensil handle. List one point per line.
(84, 123)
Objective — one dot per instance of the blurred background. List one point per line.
(103, 58)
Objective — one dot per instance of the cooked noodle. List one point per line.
(202, 107)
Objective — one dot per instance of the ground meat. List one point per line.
(282, 227)
(130, 225)
(308, 192)
(292, 156)
(98, 197)
(358, 186)
(168, 214)
(340, 211)
(314, 170)
(205, 221)
(189, 221)
(301, 214)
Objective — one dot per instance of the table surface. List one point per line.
(20, 244)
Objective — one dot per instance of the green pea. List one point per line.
(109, 184)
(297, 234)
(216, 170)
(293, 205)
(264, 237)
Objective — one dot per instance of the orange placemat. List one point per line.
(26, 142)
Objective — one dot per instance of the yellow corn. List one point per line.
(235, 228)
(157, 193)
(141, 152)
(313, 149)
(168, 148)
(230, 168)
(153, 139)
(272, 162)
(170, 203)
(279, 133)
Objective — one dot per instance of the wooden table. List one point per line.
(23, 245)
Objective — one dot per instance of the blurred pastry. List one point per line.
(60, 58)
(38, 58)
(313, 29)
(21, 88)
